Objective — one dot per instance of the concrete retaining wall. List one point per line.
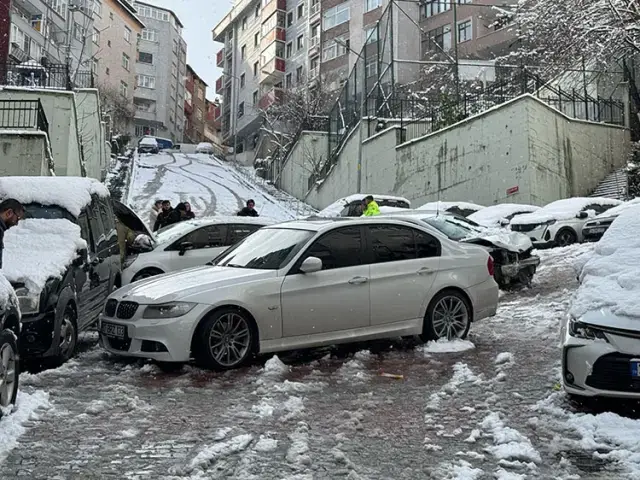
(24, 153)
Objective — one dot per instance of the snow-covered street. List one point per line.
(488, 407)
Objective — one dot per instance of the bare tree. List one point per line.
(117, 107)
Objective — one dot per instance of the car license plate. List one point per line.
(113, 330)
(635, 367)
(598, 230)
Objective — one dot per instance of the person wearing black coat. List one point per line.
(249, 210)
(167, 216)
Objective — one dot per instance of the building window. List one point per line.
(256, 39)
(257, 12)
(241, 110)
(242, 80)
(244, 23)
(146, 81)
(371, 67)
(371, 35)
(465, 31)
(109, 43)
(144, 57)
(201, 93)
(95, 66)
(300, 11)
(256, 66)
(96, 36)
(124, 89)
(334, 49)
(142, 130)
(371, 5)
(288, 81)
(149, 35)
(299, 73)
(336, 16)
(289, 19)
(79, 32)
(125, 61)
(434, 7)
(440, 38)
(127, 34)
(255, 98)
(300, 42)
(199, 114)
(97, 8)
(289, 50)
(243, 52)
(106, 70)
(60, 7)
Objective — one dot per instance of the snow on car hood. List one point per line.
(39, 249)
(610, 278)
(436, 206)
(493, 215)
(336, 207)
(184, 285)
(512, 241)
(70, 193)
(566, 209)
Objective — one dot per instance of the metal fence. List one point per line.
(23, 114)
(51, 76)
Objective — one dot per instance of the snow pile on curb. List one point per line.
(461, 374)
(208, 456)
(12, 424)
(509, 444)
(447, 346)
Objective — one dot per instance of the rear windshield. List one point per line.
(36, 210)
(449, 227)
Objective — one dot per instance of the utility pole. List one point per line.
(455, 50)
(71, 7)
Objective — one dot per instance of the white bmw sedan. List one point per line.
(188, 244)
(305, 284)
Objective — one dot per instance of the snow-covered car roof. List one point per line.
(610, 278)
(70, 193)
(204, 145)
(615, 211)
(435, 206)
(175, 231)
(492, 216)
(148, 141)
(565, 209)
(336, 207)
(38, 249)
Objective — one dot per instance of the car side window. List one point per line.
(238, 232)
(106, 214)
(392, 243)
(97, 228)
(211, 236)
(339, 248)
(85, 231)
(427, 246)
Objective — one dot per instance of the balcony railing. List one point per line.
(272, 96)
(220, 58)
(273, 6)
(23, 114)
(219, 85)
(47, 75)
(314, 73)
(314, 42)
(314, 10)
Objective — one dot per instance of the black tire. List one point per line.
(146, 273)
(67, 335)
(431, 329)
(10, 375)
(237, 342)
(565, 237)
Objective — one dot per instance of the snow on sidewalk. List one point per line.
(14, 421)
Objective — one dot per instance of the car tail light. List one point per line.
(490, 266)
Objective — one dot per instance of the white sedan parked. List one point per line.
(187, 244)
(306, 284)
(601, 336)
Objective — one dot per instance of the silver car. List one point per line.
(305, 284)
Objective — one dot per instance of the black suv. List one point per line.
(57, 306)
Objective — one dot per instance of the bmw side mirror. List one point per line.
(311, 265)
(583, 215)
(184, 246)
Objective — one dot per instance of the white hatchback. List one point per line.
(306, 284)
(187, 244)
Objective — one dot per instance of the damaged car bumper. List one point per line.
(514, 270)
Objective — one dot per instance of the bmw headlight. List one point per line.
(168, 310)
(29, 303)
(582, 330)
(550, 222)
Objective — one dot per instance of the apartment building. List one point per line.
(160, 67)
(213, 124)
(40, 31)
(195, 107)
(116, 30)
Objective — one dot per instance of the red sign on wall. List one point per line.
(513, 190)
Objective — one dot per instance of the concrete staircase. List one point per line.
(615, 185)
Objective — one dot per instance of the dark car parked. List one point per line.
(9, 346)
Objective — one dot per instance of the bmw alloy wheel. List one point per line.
(229, 339)
(450, 318)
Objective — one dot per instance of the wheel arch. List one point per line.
(217, 308)
(567, 228)
(149, 268)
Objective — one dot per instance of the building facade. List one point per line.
(160, 67)
(195, 107)
(116, 32)
(213, 124)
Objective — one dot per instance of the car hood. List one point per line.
(183, 284)
(511, 241)
(606, 318)
(129, 218)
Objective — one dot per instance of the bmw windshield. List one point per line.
(449, 227)
(266, 249)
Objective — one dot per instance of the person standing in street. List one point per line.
(155, 211)
(371, 207)
(163, 216)
(11, 212)
(190, 214)
(249, 210)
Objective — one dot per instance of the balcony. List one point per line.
(272, 96)
(189, 84)
(314, 73)
(314, 12)
(219, 85)
(277, 33)
(314, 46)
(32, 74)
(272, 7)
(273, 71)
(217, 112)
(220, 58)
(188, 108)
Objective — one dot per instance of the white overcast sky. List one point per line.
(199, 17)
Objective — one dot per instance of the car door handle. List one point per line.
(358, 280)
(425, 271)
